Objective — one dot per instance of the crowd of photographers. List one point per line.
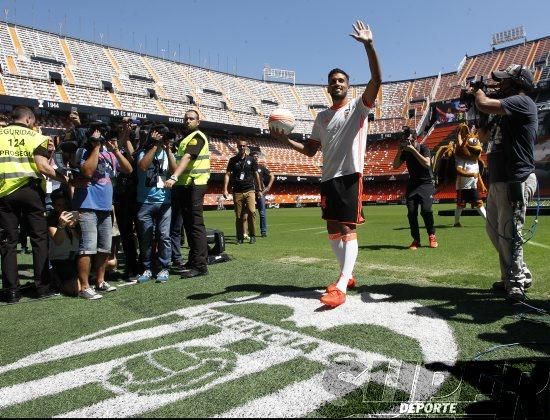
(117, 191)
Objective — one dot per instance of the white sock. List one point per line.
(482, 212)
(337, 247)
(351, 249)
(458, 212)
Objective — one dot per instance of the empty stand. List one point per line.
(440, 134)
(28, 56)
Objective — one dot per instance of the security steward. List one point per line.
(190, 182)
(23, 161)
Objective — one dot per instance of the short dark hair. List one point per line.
(196, 113)
(20, 112)
(337, 70)
(59, 194)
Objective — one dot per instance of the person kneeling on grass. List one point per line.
(64, 234)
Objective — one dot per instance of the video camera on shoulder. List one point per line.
(468, 99)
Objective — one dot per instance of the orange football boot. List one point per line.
(351, 285)
(433, 241)
(334, 298)
(414, 245)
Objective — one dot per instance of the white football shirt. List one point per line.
(342, 133)
(466, 182)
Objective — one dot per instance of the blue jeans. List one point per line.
(260, 203)
(154, 219)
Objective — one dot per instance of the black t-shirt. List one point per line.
(264, 173)
(510, 151)
(242, 173)
(418, 174)
(52, 219)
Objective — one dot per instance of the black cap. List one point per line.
(516, 72)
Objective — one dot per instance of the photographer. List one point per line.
(124, 200)
(511, 134)
(420, 187)
(73, 128)
(100, 160)
(155, 163)
(63, 244)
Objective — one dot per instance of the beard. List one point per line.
(338, 96)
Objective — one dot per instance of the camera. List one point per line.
(467, 99)
(404, 139)
(164, 131)
(479, 84)
(103, 128)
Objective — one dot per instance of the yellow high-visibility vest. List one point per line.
(17, 166)
(198, 170)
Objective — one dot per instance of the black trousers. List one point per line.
(420, 196)
(27, 203)
(126, 217)
(190, 200)
(176, 224)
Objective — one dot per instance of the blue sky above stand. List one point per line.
(414, 39)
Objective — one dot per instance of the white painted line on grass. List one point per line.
(539, 245)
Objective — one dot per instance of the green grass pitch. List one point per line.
(451, 283)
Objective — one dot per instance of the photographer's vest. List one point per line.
(198, 170)
(17, 166)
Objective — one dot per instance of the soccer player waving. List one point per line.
(341, 133)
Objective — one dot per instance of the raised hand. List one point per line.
(362, 33)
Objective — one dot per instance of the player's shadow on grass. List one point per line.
(423, 228)
(518, 323)
(501, 388)
(260, 289)
(466, 305)
(379, 247)
(529, 330)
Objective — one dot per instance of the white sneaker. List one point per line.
(163, 276)
(105, 287)
(89, 294)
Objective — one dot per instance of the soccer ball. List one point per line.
(282, 119)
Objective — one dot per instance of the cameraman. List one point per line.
(73, 128)
(155, 163)
(511, 135)
(420, 187)
(93, 197)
